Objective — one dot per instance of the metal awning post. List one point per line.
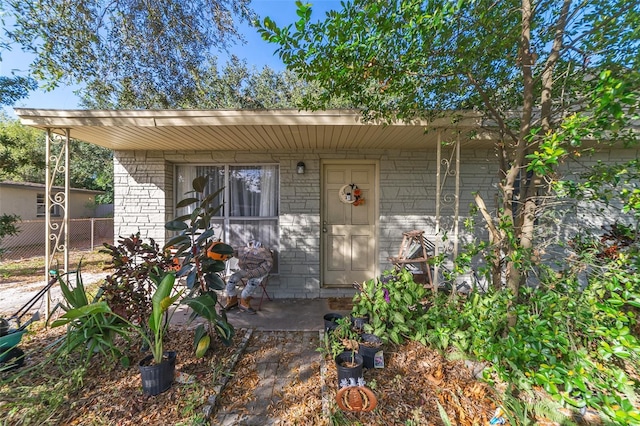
(436, 249)
(456, 207)
(57, 158)
(447, 198)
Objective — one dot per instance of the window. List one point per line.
(41, 207)
(249, 201)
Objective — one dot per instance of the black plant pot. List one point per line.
(370, 346)
(349, 375)
(358, 322)
(330, 321)
(157, 378)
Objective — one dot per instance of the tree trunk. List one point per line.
(496, 238)
(515, 273)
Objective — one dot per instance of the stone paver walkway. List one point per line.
(291, 356)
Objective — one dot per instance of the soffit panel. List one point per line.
(236, 130)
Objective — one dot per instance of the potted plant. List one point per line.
(369, 347)
(330, 321)
(97, 319)
(349, 367)
(158, 369)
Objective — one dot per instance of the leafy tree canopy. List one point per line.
(408, 58)
(21, 152)
(15, 88)
(234, 85)
(530, 66)
(22, 159)
(152, 46)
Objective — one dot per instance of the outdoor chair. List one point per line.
(232, 266)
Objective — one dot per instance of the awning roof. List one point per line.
(245, 129)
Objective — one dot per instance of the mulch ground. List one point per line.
(409, 388)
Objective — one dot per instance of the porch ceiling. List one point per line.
(244, 129)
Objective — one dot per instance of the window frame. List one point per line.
(41, 206)
(225, 218)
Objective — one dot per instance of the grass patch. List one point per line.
(92, 262)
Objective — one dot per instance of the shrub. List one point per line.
(137, 265)
(395, 304)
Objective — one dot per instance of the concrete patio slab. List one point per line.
(278, 315)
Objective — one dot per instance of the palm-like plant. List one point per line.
(161, 301)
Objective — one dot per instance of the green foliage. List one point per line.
(22, 159)
(233, 85)
(409, 58)
(613, 105)
(161, 302)
(194, 236)
(204, 306)
(94, 324)
(91, 328)
(84, 42)
(190, 247)
(340, 339)
(137, 266)
(524, 411)
(394, 304)
(14, 88)
(8, 227)
(530, 74)
(579, 344)
(576, 337)
(92, 168)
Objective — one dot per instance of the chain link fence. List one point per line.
(84, 234)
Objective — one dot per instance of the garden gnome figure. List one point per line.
(255, 262)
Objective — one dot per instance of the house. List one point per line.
(290, 180)
(27, 200)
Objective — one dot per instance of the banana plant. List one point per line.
(161, 302)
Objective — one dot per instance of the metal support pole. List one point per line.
(457, 201)
(56, 234)
(47, 217)
(436, 249)
(67, 198)
(93, 227)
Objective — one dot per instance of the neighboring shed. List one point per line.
(27, 200)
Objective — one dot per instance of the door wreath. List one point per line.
(351, 194)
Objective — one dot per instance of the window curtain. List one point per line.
(253, 191)
(185, 177)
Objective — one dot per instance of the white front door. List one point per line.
(349, 238)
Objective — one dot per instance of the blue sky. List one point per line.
(257, 52)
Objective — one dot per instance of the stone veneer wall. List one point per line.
(144, 201)
(143, 194)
